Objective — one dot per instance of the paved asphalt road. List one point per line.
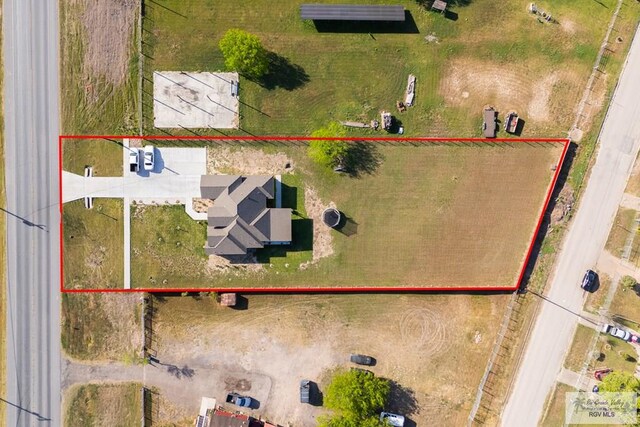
(585, 240)
(31, 139)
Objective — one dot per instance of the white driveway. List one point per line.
(176, 177)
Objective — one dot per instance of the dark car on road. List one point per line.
(588, 281)
(361, 359)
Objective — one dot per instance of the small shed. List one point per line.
(228, 299)
(439, 5)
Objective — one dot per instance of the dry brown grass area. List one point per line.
(434, 347)
(104, 405)
(542, 99)
(101, 326)
(109, 28)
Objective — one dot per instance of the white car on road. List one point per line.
(149, 157)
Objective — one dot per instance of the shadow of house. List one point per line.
(283, 74)
(408, 26)
(301, 240)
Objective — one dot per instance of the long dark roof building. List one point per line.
(352, 12)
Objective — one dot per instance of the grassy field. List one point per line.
(622, 227)
(626, 304)
(93, 244)
(555, 411)
(107, 405)
(101, 326)
(99, 67)
(596, 299)
(613, 353)
(321, 75)
(579, 348)
(105, 156)
(434, 346)
(413, 221)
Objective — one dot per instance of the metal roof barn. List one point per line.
(350, 12)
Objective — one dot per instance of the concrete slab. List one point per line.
(176, 176)
(195, 100)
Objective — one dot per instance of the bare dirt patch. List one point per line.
(322, 239)
(108, 25)
(247, 161)
(511, 87)
(285, 338)
(202, 205)
(568, 26)
(539, 106)
(564, 204)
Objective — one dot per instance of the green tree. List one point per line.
(244, 52)
(628, 283)
(356, 395)
(328, 152)
(619, 381)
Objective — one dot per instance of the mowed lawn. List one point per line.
(103, 155)
(499, 55)
(428, 216)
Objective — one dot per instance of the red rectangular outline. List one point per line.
(552, 185)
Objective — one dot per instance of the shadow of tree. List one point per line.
(362, 158)
(184, 372)
(402, 400)
(284, 74)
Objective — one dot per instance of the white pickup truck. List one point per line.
(134, 160)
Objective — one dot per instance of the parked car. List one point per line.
(134, 160)
(238, 400)
(392, 419)
(149, 157)
(599, 374)
(361, 359)
(616, 332)
(305, 391)
(589, 280)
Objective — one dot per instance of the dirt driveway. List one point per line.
(432, 347)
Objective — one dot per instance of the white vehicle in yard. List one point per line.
(134, 160)
(394, 420)
(149, 157)
(616, 332)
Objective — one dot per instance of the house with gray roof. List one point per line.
(239, 220)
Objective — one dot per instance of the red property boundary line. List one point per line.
(550, 189)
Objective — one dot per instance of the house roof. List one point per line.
(239, 219)
(352, 12)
